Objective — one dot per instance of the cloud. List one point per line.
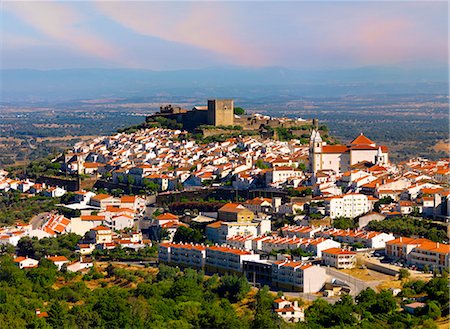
(210, 26)
(64, 24)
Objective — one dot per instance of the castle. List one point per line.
(220, 113)
(340, 158)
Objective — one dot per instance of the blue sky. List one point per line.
(187, 35)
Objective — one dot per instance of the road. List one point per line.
(38, 220)
(356, 285)
(309, 297)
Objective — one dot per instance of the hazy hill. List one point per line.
(18, 85)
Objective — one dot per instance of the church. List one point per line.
(340, 158)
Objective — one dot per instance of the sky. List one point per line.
(189, 35)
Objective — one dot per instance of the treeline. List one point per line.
(14, 207)
(62, 245)
(128, 298)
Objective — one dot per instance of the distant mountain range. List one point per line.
(36, 86)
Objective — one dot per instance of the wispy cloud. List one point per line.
(64, 24)
(210, 26)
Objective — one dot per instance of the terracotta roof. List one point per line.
(215, 224)
(233, 207)
(362, 140)
(100, 197)
(334, 149)
(338, 251)
(92, 217)
(100, 228)
(167, 216)
(128, 199)
(19, 259)
(58, 259)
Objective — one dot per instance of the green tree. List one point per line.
(433, 310)
(233, 287)
(239, 111)
(403, 273)
(264, 316)
(58, 315)
(437, 290)
(187, 234)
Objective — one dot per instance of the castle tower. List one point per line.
(315, 123)
(221, 112)
(315, 151)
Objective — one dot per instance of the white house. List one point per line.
(59, 261)
(26, 262)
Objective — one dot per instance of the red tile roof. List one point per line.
(362, 140)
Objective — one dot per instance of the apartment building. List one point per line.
(432, 254)
(419, 252)
(314, 246)
(221, 231)
(348, 205)
(227, 260)
(240, 242)
(300, 231)
(339, 258)
(370, 239)
(298, 276)
(182, 254)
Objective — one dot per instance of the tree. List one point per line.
(167, 272)
(7, 249)
(437, 289)
(319, 313)
(57, 315)
(385, 303)
(403, 273)
(433, 310)
(264, 317)
(260, 164)
(187, 234)
(302, 166)
(233, 287)
(239, 111)
(344, 223)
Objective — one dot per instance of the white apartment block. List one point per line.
(300, 231)
(240, 242)
(298, 276)
(369, 239)
(314, 246)
(186, 255)
(347, 205)
(227, 260)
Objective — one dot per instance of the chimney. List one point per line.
(38, 311)
(295, 303)
(437, 245)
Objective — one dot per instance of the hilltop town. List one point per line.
(287, 206)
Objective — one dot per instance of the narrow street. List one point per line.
(38, 220)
